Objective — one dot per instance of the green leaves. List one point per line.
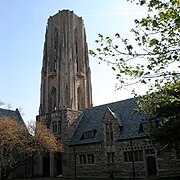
(153, 42)
(100, 36)
(92, 53)
(154, 61)
(157, 35)
(144, 22)
(163, 106)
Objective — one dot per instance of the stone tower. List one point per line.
(65, 76)
(65, 84)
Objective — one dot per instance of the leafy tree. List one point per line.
(153, 59)
(18, 147)
(163, 110)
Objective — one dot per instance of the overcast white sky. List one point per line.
(23, 24)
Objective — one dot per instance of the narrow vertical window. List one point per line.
(107, 136)
(140, 155)
(52, 100)
(77, 59)
(79, 97)
(82, 159)
(130, 156)
(136, 156)
(111, 135)
(111, 157)
(77, 50)
(109, 132)
(56, 127)
(110, 126)
(90, 158)
(54, 63)
(125, 156)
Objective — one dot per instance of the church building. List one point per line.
(106, 141)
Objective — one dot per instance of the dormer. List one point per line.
(112, 125)
(88, 134)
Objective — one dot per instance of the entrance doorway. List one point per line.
(58, 163)
(151, 166)
(46, 165)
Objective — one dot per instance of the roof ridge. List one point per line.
(8, 109)
(106, 104)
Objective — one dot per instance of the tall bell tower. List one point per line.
(65, 75)
(65, 85)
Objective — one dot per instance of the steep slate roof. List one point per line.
(92, 120)
(12, 114)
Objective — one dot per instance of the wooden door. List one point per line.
(151, 166)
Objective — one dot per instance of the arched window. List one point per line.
(52, 100)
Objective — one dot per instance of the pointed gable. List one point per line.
(116, 117)
(108, 115)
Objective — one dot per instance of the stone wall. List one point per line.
(167, 164)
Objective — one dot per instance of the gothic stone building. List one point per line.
(103, 141)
